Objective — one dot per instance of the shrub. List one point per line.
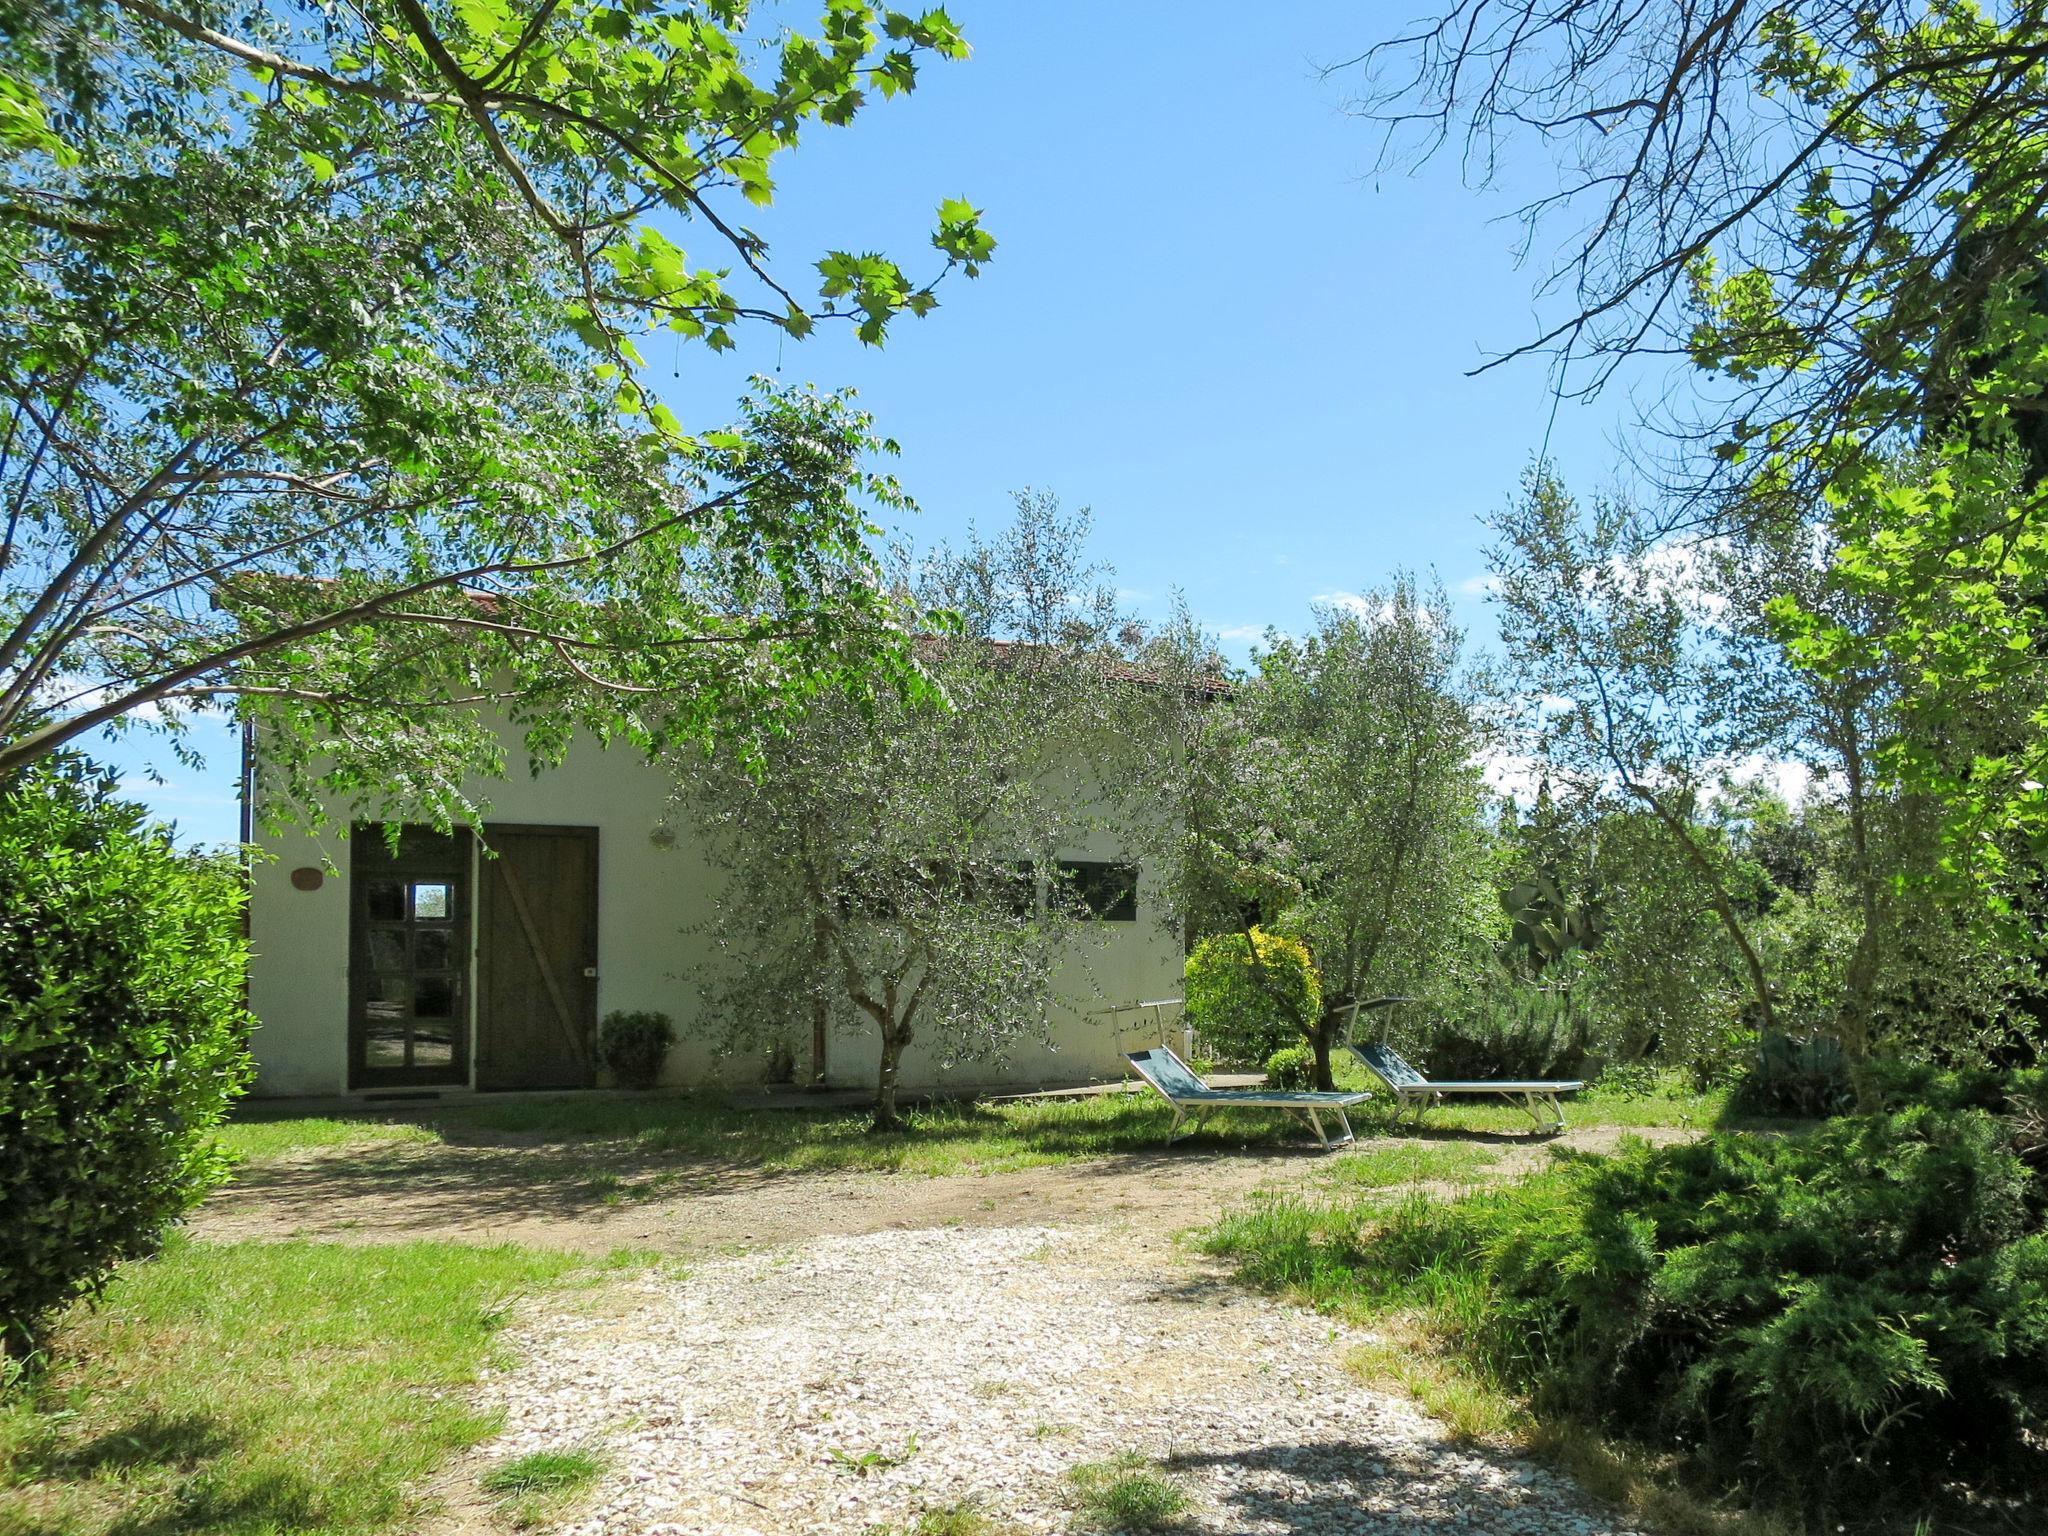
(1245, 1010)
(1292, 1066)
(1802, 1076)
(122, 1035)
(1858, 1319)
(1506, 1031)
(634, 1045)
(1624, 1080)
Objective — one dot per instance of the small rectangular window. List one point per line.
(1100, 889)
(1014, 887)
(430, 900)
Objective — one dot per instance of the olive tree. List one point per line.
(1603, 624)
(887, 864)
(1352, 812)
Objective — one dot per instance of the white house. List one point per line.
(440, 971)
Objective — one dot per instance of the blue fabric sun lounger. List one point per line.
(1188, 1094)
(1538, 1100)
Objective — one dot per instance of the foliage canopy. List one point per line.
(324, 386)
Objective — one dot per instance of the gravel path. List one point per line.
(1011, 1354)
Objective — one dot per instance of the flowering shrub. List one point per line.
(1249, 995)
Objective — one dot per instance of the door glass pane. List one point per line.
(385, 997)
(433, 949)
(409, 954)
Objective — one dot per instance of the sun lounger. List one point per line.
(1413, 1090)
(1188, 1094)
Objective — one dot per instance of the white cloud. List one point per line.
(1242, 634)
(1483, 585)
(1373, 609)
(1678, 567)
(1513, 774)
(1352, 602)
(1791, 780)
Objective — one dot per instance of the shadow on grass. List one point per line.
(182, 1441)
(573, 1156)
(184, 1469)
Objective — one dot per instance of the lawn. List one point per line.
(983, 1137)
(271, 1387)
(244, 1389)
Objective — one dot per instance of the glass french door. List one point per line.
(409, 963)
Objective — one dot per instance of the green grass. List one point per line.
(625, 1149)
(630, 1141)
(957, 1520)
(262, 1140)
(1411, 1162)
(1126, 1493)
(539, 1488)
(254, 1389)
(544, 1472)
(967, 1518)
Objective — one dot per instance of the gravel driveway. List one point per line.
(985, 1361)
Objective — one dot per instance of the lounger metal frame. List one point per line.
(1537, 1100)
(1159, 1067)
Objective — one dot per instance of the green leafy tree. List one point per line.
(324, 386)
(888, 864)
(1638, 710)
(1833, 210)
(1251, 994)
(1352, 809)
(1185, 734)
(1666, 986)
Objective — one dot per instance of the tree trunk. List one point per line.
(1321, 1039)
(821, 1008)
(1718, 898)
(1852, 1019)
(886, 1119)
(821, 1013)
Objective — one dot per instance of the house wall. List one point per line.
(650, 898)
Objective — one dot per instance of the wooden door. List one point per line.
(536, 1019)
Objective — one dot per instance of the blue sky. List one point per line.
(1208, 320)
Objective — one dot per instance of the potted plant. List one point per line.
(634, 1044)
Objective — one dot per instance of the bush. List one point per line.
(1856, 1320)
(1292, 1066)
(122, 1035)
(1506, 1031)
(1244, 1012)
(634, 1045)
(1798, 1076)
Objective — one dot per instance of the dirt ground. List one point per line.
(546, 1195)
